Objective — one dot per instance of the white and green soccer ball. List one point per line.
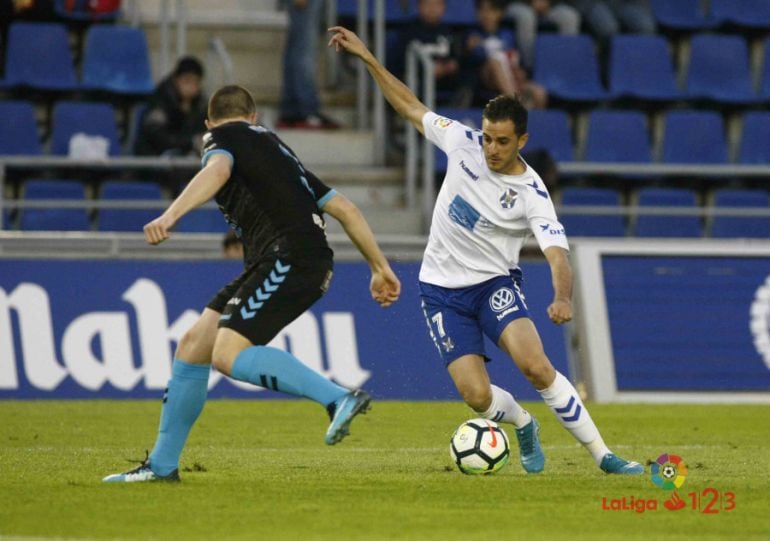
(479, 446)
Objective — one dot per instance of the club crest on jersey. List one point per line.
(442, 122)
(508, 199)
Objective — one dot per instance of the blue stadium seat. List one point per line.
(694, 137)
(134, 124)
(203, 220)
(70, 118)
(18, 129)
(764, 88)
(395, 12)
(741, 227)
(618, 136)
(746, 13)
(719, 69)
(78, 10)
(469, 117)
(567, 66)
(7, 222)
(667, 226)
(549, 129)
(755, 138)
(641, 68)
(682, 15)
(460, 13)
(116, 59)
(54, 219)
(591, 225)
(128, 219)
(38, 56)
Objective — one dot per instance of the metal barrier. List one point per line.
(190, 164)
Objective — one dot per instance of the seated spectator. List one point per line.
(174, 120)
(530, 15)
(605, 18)
(491, 51)
(428, 28)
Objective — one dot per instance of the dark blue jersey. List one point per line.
(270, 199)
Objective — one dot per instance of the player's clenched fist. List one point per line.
(560, 311)
(157, 230)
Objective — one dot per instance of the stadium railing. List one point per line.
(36, 164)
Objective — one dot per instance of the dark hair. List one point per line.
(231, 101)
(188, 64)
(498, 5)
(506, 107)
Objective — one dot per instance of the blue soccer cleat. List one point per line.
(531, 454)
(615, 464)
(344, 410)
(140, 474)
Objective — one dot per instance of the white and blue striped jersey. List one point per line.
(481, 218)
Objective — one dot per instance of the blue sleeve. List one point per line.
(325, 199)
(209, 153)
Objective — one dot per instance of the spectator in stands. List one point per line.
(428, 28)
(232, 246)
(299, 101)
(491, 51)
(174, 121)
(529, 15)
(605, 18)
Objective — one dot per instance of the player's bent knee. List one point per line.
(477, 396)
(540, 373)
(194, 348)
(223, 363)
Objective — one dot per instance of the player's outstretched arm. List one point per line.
(384, 286)
(397, 93)
(201, 188)
(560, 310)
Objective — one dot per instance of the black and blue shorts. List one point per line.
(270, 294)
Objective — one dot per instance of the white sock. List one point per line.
(504, 409)
(565, 403)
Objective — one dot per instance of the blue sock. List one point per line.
(275, 369)
(182, 403)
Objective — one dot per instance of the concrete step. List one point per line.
(366, 186)
(331, 147)
(223, 13)
(385, 221)
(256, 57)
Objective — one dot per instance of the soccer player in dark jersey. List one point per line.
(276, 206)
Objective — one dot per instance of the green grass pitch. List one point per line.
(260, 470)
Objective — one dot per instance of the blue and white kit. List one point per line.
(470, 279)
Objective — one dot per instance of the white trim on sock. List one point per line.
(505, 409)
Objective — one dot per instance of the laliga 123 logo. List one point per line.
(669, 472)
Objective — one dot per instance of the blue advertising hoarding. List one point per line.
(107, 329)
(689, 323)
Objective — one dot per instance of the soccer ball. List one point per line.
(479, 446)
(669, 472)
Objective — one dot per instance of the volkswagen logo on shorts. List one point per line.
(501, 299)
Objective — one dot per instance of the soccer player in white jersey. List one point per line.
(490, 202)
